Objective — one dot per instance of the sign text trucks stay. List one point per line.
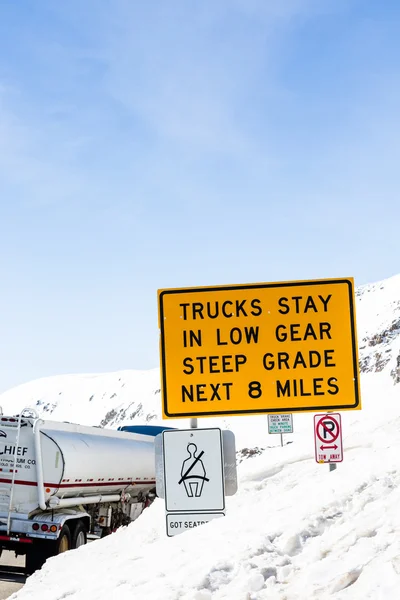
(259, 348)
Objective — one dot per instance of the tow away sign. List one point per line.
(259, 348)
(328, 438)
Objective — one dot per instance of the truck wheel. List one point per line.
(79, 537)
(64, 541)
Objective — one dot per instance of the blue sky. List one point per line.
(148, 145)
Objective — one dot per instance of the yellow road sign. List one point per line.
(259, 348)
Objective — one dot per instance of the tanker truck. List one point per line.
(60, 482)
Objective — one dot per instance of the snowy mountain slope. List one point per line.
(378, 317)
(106, 399)
(294, 530)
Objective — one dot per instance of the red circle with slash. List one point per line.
(333, 436)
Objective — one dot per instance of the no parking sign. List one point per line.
(328, 438)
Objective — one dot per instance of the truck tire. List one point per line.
(79, 536)
(64, 542)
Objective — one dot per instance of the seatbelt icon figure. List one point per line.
(193, 473)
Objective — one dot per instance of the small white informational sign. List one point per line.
(193, 477)
(180, 522)
(280, 423)
(328, 438)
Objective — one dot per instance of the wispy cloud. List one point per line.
(172, 81)
(192, 74)
(34, 160)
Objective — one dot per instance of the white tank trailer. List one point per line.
(60, 482)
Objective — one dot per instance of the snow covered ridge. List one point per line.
(378, 321)
(105, 399)
(112, 399)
